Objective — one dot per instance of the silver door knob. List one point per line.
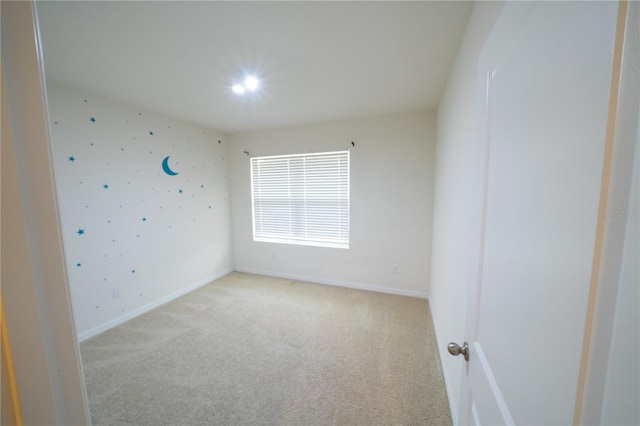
(455, 350)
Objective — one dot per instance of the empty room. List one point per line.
(320, 213)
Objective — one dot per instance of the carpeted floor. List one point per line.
(254, 350)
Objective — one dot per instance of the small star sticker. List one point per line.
(92, 119)
(80, 232)
(72, 158)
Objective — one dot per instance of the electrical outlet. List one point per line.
(116, 292)
(395, 268)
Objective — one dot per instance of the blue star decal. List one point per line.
(80, 232)
(92, 119)
(72, 158)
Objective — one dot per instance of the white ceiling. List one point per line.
(318, 61)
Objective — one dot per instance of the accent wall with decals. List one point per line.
(143, 202)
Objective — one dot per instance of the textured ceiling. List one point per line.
(317, 61)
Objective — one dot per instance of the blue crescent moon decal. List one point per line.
(165, 167)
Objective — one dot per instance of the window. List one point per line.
(301, 199)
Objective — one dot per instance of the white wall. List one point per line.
(391, 203)
(455, 171)
(622, 390)
(151, 235)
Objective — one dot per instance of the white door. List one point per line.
(546, 74)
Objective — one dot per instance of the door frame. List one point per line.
(623, 138)
(39, 318)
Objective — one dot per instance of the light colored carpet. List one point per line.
(254, 350)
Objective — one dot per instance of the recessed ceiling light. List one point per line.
(238, 88)
(251, 83)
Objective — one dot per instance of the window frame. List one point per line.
(342, 193)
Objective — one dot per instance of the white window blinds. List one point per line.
(301, 199)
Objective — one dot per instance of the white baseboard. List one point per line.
(377, 289)
(146, 308)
